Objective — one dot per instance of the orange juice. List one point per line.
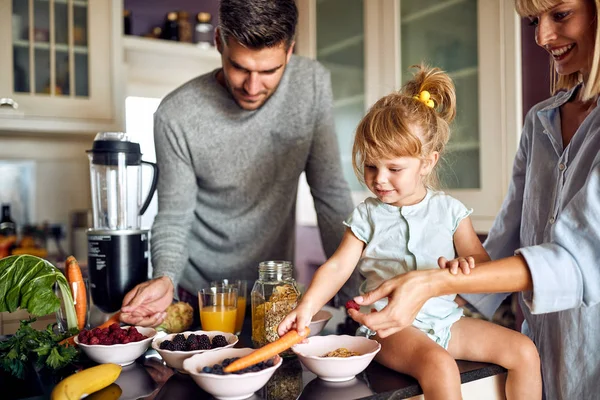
(218, 318)
(241, 312)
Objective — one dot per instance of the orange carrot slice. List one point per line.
(267, 351)
(77, 285)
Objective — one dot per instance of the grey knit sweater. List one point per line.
(229, 177)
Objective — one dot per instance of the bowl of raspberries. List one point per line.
(207, 371)
(115, 344)
(176, 347)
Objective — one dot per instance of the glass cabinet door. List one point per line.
(340, 48)
(444, 34)
(50, 47)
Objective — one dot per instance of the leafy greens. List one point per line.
(42, 346)
(27, 282)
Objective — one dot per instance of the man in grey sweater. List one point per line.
(231, 146)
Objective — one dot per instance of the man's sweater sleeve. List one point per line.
(329, 189)
(176, 201)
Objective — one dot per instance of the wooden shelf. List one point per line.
(46, 46)
(76, 3)
(168, 48)
(429, 10)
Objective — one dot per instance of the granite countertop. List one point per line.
(148, 378)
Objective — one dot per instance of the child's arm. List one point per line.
(328, 280)
(468, 247)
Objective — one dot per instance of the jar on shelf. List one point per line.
(273, 296)
(204, 30)
(171, 29)
(185, 27)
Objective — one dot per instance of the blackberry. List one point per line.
(167, 345)
(219, 341)
(203, 342)
(179, 342)
(191, 343)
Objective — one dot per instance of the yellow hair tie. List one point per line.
(425, 98)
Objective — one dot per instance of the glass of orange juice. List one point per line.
(218, 308)
(242, 287)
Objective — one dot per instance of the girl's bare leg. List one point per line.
(477, 340)
(412, 352)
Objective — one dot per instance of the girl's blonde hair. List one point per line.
(401, 125)
(559, 82)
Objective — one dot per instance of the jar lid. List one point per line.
(204, 17)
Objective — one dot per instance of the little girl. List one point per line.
(404, 228)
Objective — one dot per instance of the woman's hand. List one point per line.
(298, 319)
(146, 303)
(406, 295)
(465, 264)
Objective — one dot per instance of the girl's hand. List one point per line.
(298, 319)
(465, 264)
(406, 295)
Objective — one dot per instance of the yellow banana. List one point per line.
(87, 381)
(111, 392)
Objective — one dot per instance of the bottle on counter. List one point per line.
(186, 33)
(204, 30)
(171, 29)
(273, 296)
(127, 30)
(7, 224)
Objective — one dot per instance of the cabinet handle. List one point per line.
(7, 102)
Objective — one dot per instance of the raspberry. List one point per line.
(352, 304)
(219, 341)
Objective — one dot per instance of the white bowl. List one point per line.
(122, 354)
(228, 386)
(174, 359)
(318, 322)
(336, 369)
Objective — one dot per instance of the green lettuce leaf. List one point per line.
(27, 282)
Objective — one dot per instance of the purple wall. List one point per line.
(146, 14)
(535, 66)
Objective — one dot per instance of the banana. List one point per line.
(87, 381)
(111, 392)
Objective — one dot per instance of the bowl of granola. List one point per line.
(336, 358)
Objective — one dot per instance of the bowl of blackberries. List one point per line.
(206, 370)
(115, 344)
(176, 347)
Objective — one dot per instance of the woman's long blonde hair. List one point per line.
(558, 82)
(401, 125)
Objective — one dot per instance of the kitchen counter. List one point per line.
(148, 378)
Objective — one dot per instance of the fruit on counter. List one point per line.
(115, 318)
(180, 317)
(193, 342)
(29, 345)
(85, 382)
(218, 369)
(269, 350)
(111, 335)
(27, 282)
(111, 392)
(352, 304)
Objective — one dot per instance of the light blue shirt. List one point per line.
(551, 216)
(409, 238)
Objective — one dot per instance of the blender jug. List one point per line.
(117, 246)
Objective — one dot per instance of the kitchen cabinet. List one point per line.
(60, 63)
(369, 46)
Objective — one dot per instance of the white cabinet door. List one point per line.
(372, 43)
(57, 59)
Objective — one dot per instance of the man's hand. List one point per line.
(146, 303)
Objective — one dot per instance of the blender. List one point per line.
(117, 245)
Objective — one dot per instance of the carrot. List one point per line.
(70, 341)
(267, 351)
(75, 280)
